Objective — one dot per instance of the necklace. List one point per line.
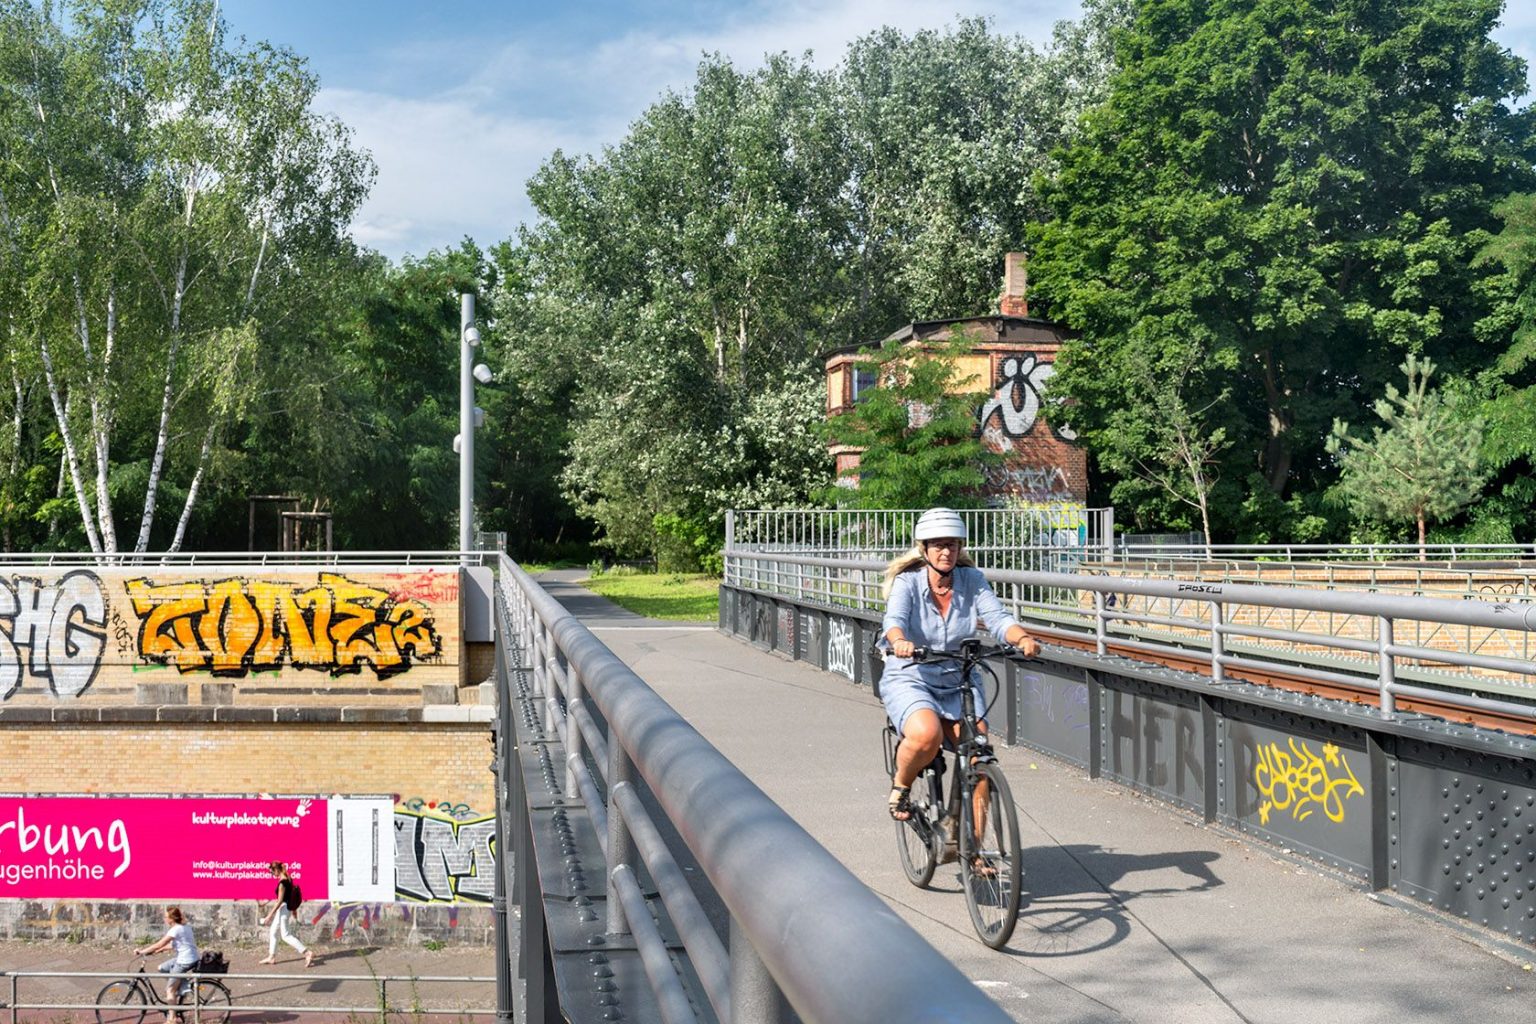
(942, 588)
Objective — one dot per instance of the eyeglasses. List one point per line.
(950, 543)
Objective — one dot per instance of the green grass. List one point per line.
(672, 596)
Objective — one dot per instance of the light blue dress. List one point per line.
(905, 686)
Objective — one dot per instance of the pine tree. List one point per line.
(1423, 465)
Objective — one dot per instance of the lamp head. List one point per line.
(483, 373)
(472, 336)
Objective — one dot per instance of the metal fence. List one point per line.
(1237, 625)
(1051, 538)
(586, 749)
(1189, 547)
(382, 1007)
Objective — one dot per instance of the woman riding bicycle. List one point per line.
(178, 936)
(934, 597)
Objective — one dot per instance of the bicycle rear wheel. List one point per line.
(120, 1002)
(992, 874)
(915, 837)
(213, 1003)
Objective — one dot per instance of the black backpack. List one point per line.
(295, 897)
(212, 962)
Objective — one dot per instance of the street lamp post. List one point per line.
(471, 417)
(469, 337)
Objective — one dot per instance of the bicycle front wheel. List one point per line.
(992, 872)
(915, 840)
(212, 1002)
(120, 1002)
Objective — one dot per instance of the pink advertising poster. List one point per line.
(159, 848)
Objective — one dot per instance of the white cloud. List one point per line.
(456, 162)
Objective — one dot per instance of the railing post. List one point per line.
(1100, 627)
(573, 741)
(621, 845)
(1387, 666)
(1218, 646)
(755, 997)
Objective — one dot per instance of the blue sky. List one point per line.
(460, 102)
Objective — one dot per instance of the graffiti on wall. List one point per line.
(1019, 396)
(1032, 483)
(59, 624)
(444, 855)
(1300, 781)
(235, 626)
(840, 646)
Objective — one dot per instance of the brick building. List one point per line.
(1016, 353)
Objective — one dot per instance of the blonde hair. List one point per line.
(912, 558)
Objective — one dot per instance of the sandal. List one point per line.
(900, 803)
(981, 867)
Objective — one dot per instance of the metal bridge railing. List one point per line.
(292, 559)
(1172, 613)
(804, 932)
(1051, 537)
(1343, 553)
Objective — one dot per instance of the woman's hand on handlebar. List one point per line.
(903, 648)
(1028, 646)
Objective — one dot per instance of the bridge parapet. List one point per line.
(1409, 803)
(588, 753)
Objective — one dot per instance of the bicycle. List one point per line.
(978, 817)
(128, 1000)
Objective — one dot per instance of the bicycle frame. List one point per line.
(978, 812)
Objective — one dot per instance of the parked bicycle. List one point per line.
(128, 1000)
(977, 823)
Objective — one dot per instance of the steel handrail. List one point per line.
(753, 570)
(797, 906)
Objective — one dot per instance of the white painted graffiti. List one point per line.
(1019, 396)
(1037, 483)
(840, 647)
(61, 624)
(442, 861)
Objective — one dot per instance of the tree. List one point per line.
(1296, 189)
(1162, 438)
(1506, 388)
(171, 197)
(1422, 466)
(915, 431)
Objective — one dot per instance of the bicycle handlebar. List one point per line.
(921, 654)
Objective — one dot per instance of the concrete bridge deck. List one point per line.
(1133, 911)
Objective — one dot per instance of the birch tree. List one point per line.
(174, 182)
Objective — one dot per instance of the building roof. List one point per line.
(920, 329)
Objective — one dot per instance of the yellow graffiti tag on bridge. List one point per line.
(1298, 781)
(234, 626)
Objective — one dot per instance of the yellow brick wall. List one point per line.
(430, 762)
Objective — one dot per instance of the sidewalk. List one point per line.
(286, 984)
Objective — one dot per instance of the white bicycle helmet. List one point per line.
(938, 523)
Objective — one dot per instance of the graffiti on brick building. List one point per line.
(1019, 396)
(52, 630)
(444, 858)
(235, 626)
(1031, 483)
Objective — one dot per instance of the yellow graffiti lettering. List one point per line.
(235, 626)
(1298, 781)
(167, 616)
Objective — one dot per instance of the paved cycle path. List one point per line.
(1133, 911)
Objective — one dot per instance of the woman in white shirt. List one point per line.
(178, 937)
